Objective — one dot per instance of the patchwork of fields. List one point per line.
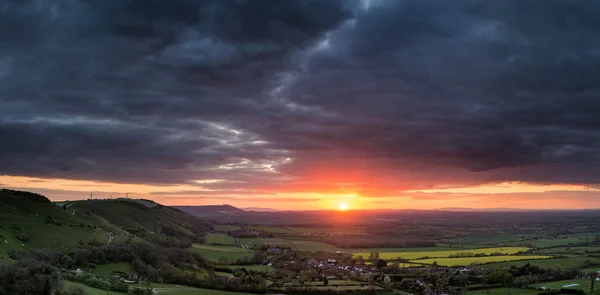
(583, 284)
(219, 239)
(213, 252)
(546, 263)
(158, 288)
(387, 255)
(465, 261)
(297, 245)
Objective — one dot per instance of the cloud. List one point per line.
(301, 96)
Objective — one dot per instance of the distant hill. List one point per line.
(29, 220)
(259, 209)
(210, 210)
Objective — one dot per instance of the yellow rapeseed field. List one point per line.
(463, 261)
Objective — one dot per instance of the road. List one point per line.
(110, 238)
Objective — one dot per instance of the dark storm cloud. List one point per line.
(301, 95)
(132, 90)
(483, 86)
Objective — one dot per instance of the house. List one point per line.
(78, 272)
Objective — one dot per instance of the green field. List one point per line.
(545, 243)
(106, 270)
(88, 290)
(184, 290)
(331, 230)
(546, 263)
(493, 239)
(504, 291)
(583, 284)
(213, 252)
(591, 269)
(226, 228)
(270, 229)
(340, 285)
(387, 255)
(570, 250)
(298, 245)
(219, 239)
(463, 261)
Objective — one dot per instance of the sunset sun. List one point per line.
(343, 207)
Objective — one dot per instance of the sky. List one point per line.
(303, 104)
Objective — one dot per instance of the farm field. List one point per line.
(420, 254)
(544, 243)
(185, 290)
(219, 239)
(270, 229)
(546, 263)
(334, 230)
(570, 250)
(494, 239)
(504, 291)
(583, 284)
(298, 245)
(225, 227)
(591, 269)
(67, 285)
(464, 261)
(213, 252)
(341, 285)
(106, 270)
(422, 249)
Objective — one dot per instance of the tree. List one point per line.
(435, 264)
(593, 275)
(387, 280)
(30, 277)
(380, 263)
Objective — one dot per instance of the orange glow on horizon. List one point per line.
(311, 196)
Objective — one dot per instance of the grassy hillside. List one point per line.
(29, 220)
(145, 220)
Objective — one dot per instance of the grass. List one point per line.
(547, 263)
(340, 285)
(212, 252)
(570, 250)
(298, 245)
(331, 230)
(493, 239)
(463, 261)
(584, 284)
(591, 269)
(271, 229)
(184, 290)
(503, 291)
(106, 270)
(88, 290)
(219, 239)
(226, 228)
(387, 255)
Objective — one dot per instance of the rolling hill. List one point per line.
(211, 210)
(29, 220)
